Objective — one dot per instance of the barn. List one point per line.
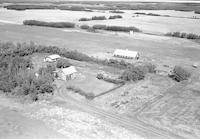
(66, 73)
(126, 54)
(52, 58)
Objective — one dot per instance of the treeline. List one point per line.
(99, 18)
(22, 7)
(17, 75)
(150, 14)
(93, 18)
(110, 6)
(183, 35)
(116, 28)
(72, 25)
(116, 11)
(115, 17)
(49, 24)
(24, 49)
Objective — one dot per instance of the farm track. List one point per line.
(133, 125)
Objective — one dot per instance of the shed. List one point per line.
(52, 58)
(66, 73)
(126, 54)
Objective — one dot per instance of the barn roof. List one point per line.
(69, 70)
(126, 52)
(54, 56)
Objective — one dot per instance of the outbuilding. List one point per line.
(126, 54)
(52, 58)
(66, 73)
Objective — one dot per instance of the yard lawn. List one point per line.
(86, 80)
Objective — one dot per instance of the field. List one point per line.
(159, 25)
(157, 103)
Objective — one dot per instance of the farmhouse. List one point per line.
(66, 73)
(51, 58)
(126, 54)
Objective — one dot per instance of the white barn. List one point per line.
(66, 73)
(126, 54)
(52, 58)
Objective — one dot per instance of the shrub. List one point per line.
(84, 27)
(62, 63)
(179, 74)
(84, 19)
(115, 17)
(49, 24)
(98, 18)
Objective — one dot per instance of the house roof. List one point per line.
(125, 53)
(54, 56)
(69, 70)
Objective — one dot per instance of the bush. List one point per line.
(49, 24)
(84, 27)
(98, 18)
(115, 17)
(84, 19)
(62, 63)
(179, 74)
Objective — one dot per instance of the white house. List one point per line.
(66, 73)
(126, 54)
(52, 58)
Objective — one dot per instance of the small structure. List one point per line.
(131, 32)
(52, 58)
(126, 54)
(66, 73)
